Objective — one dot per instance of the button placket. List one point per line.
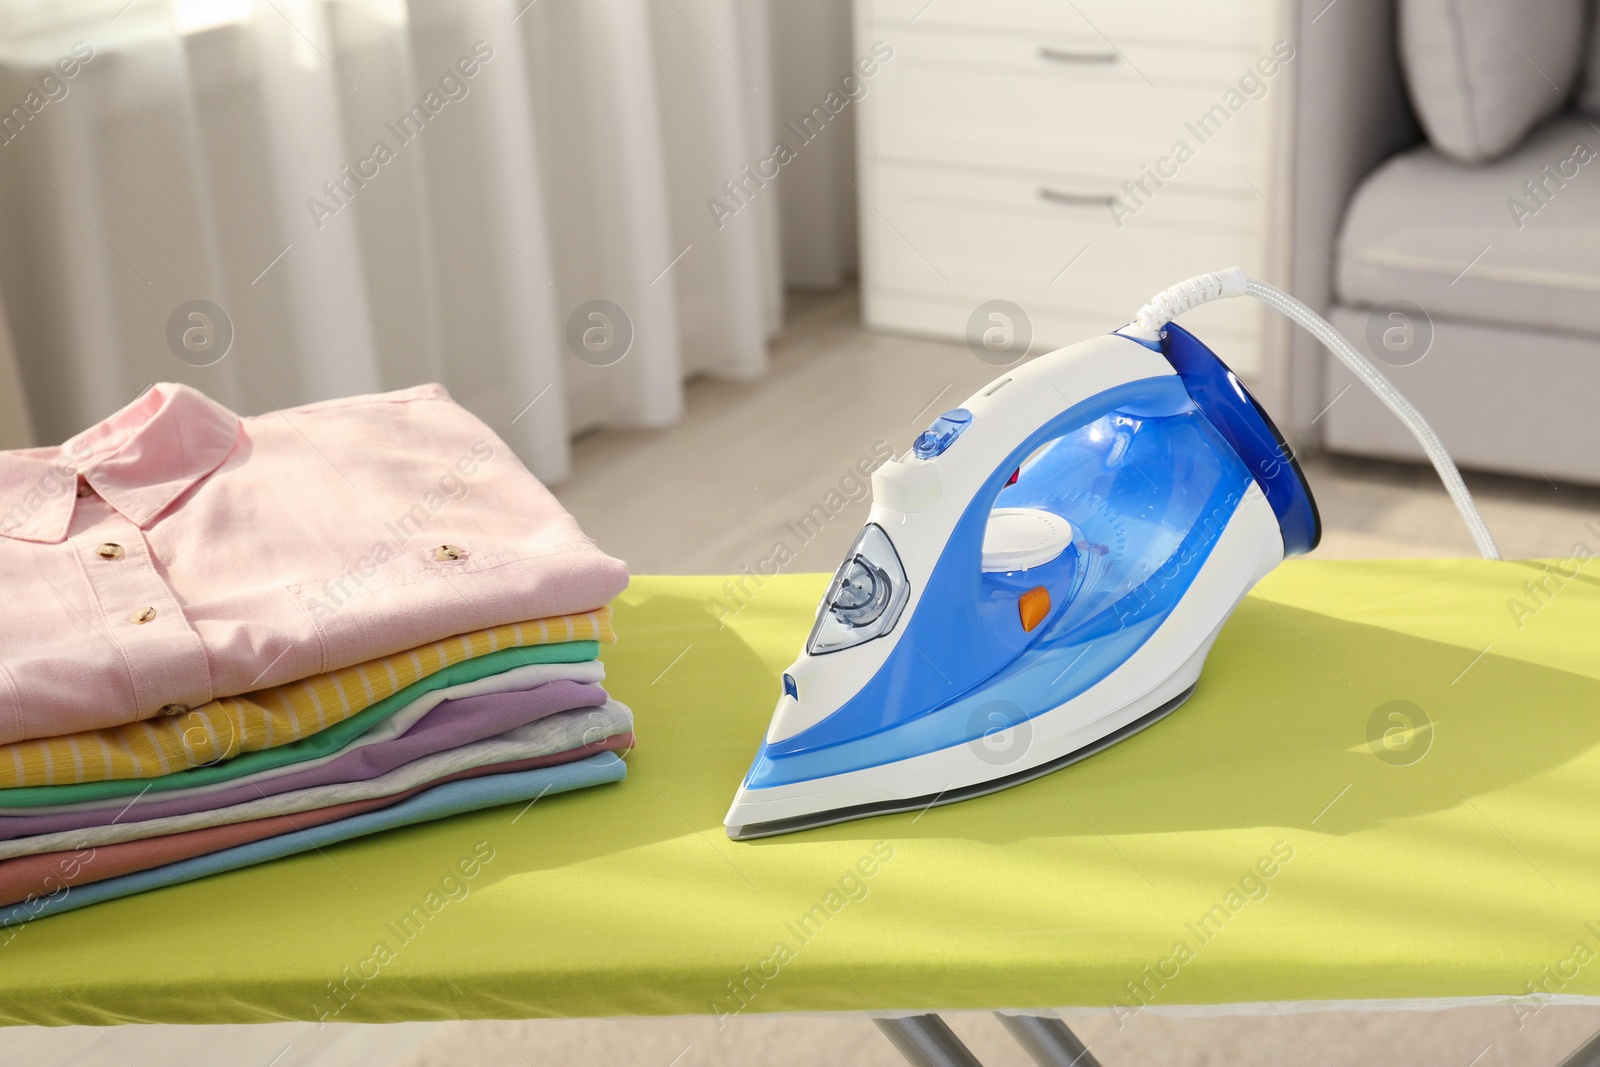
(167, 665)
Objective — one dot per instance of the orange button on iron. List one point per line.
(1033, 606)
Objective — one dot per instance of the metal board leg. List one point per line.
(1588, 1055)
(927, 1041)
(1049, 1042)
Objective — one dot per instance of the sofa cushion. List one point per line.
(1511, 242)
(1482, 73)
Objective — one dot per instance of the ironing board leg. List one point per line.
(1588, 1055)
(927, 1041)
(1048, 1041)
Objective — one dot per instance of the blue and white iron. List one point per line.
(1043, 573)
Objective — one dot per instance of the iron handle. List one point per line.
(1061, 55)
(1056, 196)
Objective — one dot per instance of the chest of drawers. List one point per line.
(1070, 157)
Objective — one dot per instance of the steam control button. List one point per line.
(938, 437)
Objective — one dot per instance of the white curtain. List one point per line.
(377, 193)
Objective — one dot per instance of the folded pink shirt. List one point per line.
(177, 553)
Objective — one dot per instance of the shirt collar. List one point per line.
(139, 460)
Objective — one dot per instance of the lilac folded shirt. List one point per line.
(177, 553)
(450, 725)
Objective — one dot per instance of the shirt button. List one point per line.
(109, 551)
(84, 488)
(449, 553)
(174, 709)
(142, 616)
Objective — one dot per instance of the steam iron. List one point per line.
(1040, 576)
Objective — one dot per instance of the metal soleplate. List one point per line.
(950, 796)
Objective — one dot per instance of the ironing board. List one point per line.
(1384, 791)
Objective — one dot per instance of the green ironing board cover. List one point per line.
(1386, 787)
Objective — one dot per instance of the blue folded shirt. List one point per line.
(453, 798)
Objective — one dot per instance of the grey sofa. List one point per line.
(1487, 317)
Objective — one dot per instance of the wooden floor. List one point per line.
(717, 494)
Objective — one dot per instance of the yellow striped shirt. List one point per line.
(269, 717)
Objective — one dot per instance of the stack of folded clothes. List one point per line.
(233, 639)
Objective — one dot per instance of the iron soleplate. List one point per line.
(951, 796)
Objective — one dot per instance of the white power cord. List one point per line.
(1204, 288)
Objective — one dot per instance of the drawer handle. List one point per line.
(1056, 196)
(1061, 55)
